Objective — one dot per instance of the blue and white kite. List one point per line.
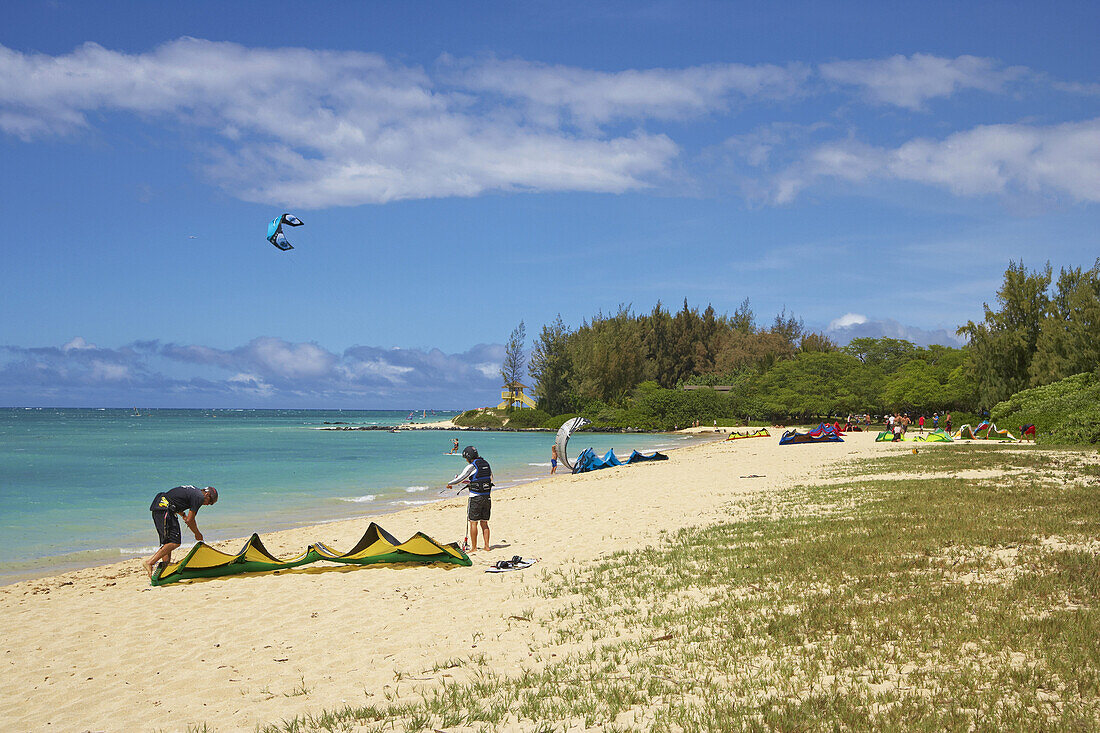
(275, 230)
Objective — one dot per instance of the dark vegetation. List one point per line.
(629, 370)
(1064, 413)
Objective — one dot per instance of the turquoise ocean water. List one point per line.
(76, 484)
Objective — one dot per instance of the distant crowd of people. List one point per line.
(898, 423)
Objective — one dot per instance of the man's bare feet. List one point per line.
(148, 568)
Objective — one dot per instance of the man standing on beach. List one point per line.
(553, 459)
(165, 507)
(480, 477)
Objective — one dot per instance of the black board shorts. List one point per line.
(479, 508)
(168, 527)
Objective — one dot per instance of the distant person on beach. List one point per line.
(947, 422)
(480, 477)
(185, 501)
(920, 422)
(454, 448)
(553, 459)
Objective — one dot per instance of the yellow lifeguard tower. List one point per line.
(511, 395)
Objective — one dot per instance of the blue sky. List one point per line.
(463, 166)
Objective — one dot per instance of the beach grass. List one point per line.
(893, 602)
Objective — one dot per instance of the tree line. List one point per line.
(630, 368)
(1036, 335)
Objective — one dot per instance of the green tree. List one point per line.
(689, 352)
(886, 353)
(815, 342)
(1002, 345)
(787, 327)
(743, 320)
(1069, 340)
(914, 387)
(657, 342)
(550, 368)
(815, 384)
(961, 391)
(737, 350)
(607, 357)
(514, 360)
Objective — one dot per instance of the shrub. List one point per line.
(527, 418)
(486, 418)
(1066, 412)
(557, 421)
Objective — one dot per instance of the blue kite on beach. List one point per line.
(275, 230)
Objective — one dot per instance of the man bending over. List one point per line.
(185, 501)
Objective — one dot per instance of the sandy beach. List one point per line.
(99, 649)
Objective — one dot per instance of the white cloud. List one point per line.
(265, 371)
(104, 371)
(1062, 160)
(910, 81)
(291, 361)
(79, 343)
(848, 319)
(862, 327)
(358, 369)
(990, 159)
(489, 371)
(319, 128)
(250, 384)
(588, 97)
(308, 128)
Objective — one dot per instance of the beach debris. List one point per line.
(275, 230)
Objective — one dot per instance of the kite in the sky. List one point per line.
(275, 230)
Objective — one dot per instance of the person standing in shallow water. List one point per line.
(479, 476)
(184, 501)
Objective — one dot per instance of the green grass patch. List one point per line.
(917, 604)
(947, 458)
